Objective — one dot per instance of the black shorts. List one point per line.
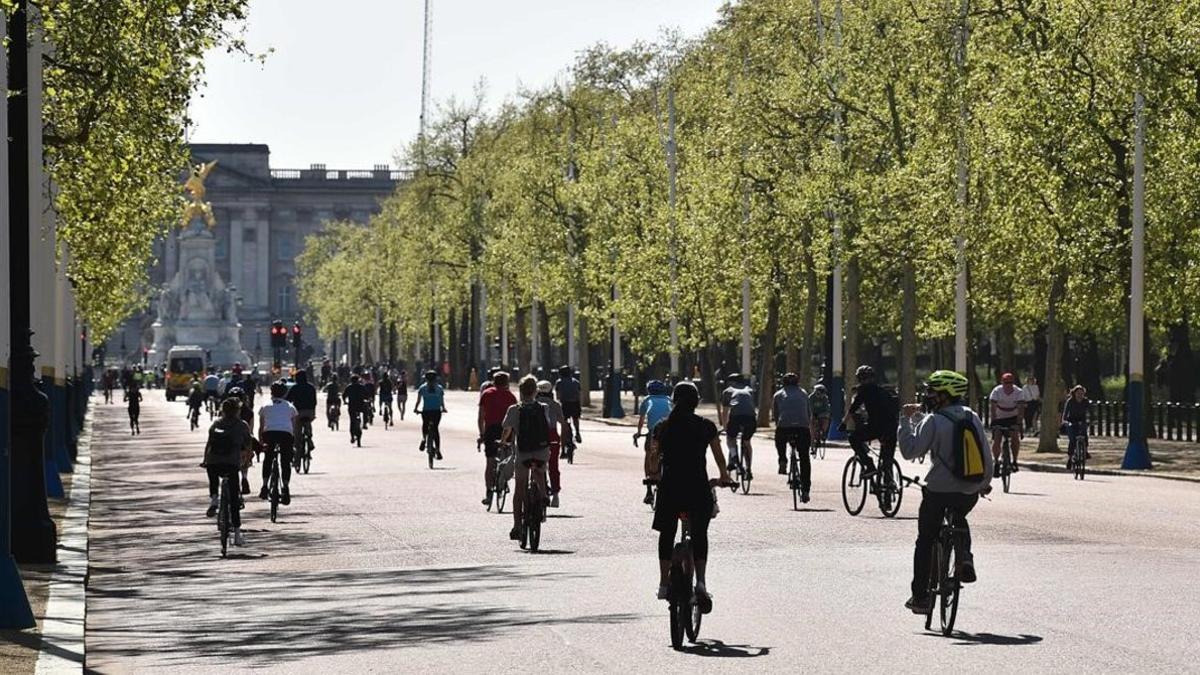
(571, 409)
(1006, 423)
(491, 439)
(743, 424)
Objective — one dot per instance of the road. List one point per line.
(381, 565)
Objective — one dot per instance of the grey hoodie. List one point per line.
(934, 434)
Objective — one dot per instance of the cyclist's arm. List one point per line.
(482, 426)
(641, 423)
(915, 435)
(719, 457)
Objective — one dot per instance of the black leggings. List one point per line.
(430, 419)
(803, 440)
(214, 483)
(929, 523)
(887, 449)
(699, 532)
(281, 442)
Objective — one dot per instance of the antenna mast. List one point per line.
(425, 58)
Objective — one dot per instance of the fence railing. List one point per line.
(1168, 421)
(341, 174)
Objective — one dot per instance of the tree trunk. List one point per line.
(585, 361)
(453, 351)
(522, 338)
(766, 363)
(907, 365)
(1053, 386)
(809, 338)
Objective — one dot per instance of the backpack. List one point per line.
(967, 460)
(222, 446)
(533, 432)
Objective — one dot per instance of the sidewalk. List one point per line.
(56, 592)
(1173, 460)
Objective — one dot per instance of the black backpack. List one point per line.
(533, 432)
(222, 446)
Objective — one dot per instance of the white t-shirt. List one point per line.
(1007, 402)
(278, 415)
(1033, 392)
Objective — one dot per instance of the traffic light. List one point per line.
(296, 334)
(278, 334)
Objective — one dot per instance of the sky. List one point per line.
(343, 83)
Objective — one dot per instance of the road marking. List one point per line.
(62, 649)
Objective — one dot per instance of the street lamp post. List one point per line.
(1137, 453)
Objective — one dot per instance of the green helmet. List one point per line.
(952, 383)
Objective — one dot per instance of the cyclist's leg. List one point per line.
(269, 450)
(962, 507)
(1015, 434)
(803, 442)
(858, 443)
(235, 514)
(929, 522)
(731, 441)
(287, 449)
(698, 527)
(997, 440)
(781, 447)
(747, 450)
(435, 432)
(518, 501)
(666, 545)
(555, 477)
(214, 481)
(887, 454)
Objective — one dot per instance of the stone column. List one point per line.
(235, 256)
(264, 257)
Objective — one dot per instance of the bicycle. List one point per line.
(944, 585)
(303, 458)
(820, 440)
(1005, 465)
(1079, 454)
(686, 611)
(534, 511)
(387, 415)
(651, 498)
(889, 494)
(798, 495)
(333, 415)
(742, 477)
(432, 445)
(356, 428)
(194, 417)
(225, 512)
(273, 484)
(568, 450)
(500, 477)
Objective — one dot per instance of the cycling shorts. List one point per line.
(571, 409)
(1006, 423)
(743, 424)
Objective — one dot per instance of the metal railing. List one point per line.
(323, 174)
(1167, 421)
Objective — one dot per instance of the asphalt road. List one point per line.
(381, 565)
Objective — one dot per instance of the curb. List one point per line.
(1058, 468)
(63, 647)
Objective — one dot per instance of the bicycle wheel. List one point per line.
(535, 525)
(854, 488)
(744, 481)
(223, 517)
(430, 452)
(821, 448)
(275, 489)
(933, 589)
(794, 482)
(692, 627)
(307, 461)
(501, 496)
(1080, 457)
(892, 494)
(676, 626)
(948, 598)
(1006, 468)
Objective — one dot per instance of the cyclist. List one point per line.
(567, 391)
(652, 411)
(247, 416)
(433, 397)
(333, 399)
(385, 395)
(494, 403)
(211, 383)
(790, 410)
(934, 434)
(818, 403)
(303, 396)
(228, 439)
(276, 424)
(133, 396)
(1075, 417)
(525, 426)
(401, 392)
(739, 417)
(684, 437)
(195, 400)
(874, 413)
(106, 381)
(368, 381)
(1007, 402)
(355, 396)
(558, 431)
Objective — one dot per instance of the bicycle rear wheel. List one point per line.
(854, 488)
(1080, 458)
(501, 496)
(821, 448)
(535, 527)
(744, 480)
(892, 494)
(692, 627)
(676, 626)
(275, 489)
(223, 516)
(948, 598)
(307, 461)
(932, 588)
(430, 451)
(794, 481)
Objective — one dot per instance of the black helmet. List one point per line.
(278, 389)
(235, 391)
(430, 375)
(864, 374)
(685, 395)
(791, 380)
(564, 371)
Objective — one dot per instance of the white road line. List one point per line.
(62, 648)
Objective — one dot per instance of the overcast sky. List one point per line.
(343, 86)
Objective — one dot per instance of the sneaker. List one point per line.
(264, 493)
(245, 486)
(749, 475)
(422, 446)
(649, 499)
(664, 591)
(515, 534)
(703, 599)
(804, 497)
(1015, 467)
(996, 473)
(286, 497)
(578, 439)
(918, 605)
(783, 468)
(439, 455)
(966, 571)
(554, 502)
(238, 539)
(212, 507)
(487, 499)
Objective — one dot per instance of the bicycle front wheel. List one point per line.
(1080, 458)
(1006, 470)
(948, 598)
(676, 626)
(854, 488)
(501, 496)
(223, 517)
(692, 627)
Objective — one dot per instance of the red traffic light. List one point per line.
(296, 329)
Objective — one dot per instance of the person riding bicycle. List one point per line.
(738, 414)
(228, 440)
(494, 403)
(790, 410)
(247, 416)
(195, 400)
(526, 426)
(874, 413)
(133, 396)
(652, 411)
(684, 439)
(949, 483)
(432, 396)
(385, 395)
(567, 390)
(401, 390)
(276, 427)
(368, 381)
(211, 384)
(559, 430)
(303, 395)
(818, 403)
(355, 396)
(1007, 403)
(1075, 418)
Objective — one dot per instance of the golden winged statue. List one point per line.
(195, 185)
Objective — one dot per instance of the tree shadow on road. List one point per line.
(720, 649)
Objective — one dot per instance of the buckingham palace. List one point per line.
(262, 216)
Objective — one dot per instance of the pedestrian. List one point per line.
(1033, 402)
(133, 396)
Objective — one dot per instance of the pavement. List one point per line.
(382, 565)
